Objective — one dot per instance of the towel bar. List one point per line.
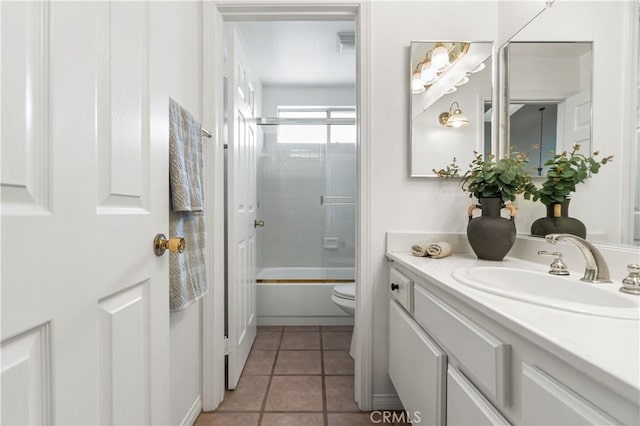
(206, 133)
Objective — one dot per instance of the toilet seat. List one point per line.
(346, 291)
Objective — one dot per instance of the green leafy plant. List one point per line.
(504, 178)
(450, 171)
(566, 170)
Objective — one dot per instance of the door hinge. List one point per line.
(226, 345)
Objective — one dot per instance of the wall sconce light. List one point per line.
(453, 118)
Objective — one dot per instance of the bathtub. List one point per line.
(300, 296)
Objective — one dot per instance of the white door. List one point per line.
(577, 122)
(85, 321)
(241, 184)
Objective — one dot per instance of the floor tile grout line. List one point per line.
(273, 367)
(325, 416)
(323, 374)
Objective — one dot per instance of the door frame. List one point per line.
(213, 306)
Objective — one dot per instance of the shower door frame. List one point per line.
(213, 309)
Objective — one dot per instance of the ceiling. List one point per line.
(295, 53)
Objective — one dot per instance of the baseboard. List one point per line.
(193, 413)
(291, 320)
(386, 401)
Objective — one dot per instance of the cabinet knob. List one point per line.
(394, 286)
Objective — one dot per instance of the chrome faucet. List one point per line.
(596, 269)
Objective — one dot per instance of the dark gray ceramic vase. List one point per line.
(558, 221)
(490, 235)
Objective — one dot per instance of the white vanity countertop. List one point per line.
(607, 348)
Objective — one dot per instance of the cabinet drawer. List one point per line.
(545, 401)
(417, 368)
(466, 405)
(401, 288)
(482, 357)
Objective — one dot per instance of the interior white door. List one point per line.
(85, 321)
(241, 237)
(577, 122)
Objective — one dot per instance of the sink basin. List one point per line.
(560, 292)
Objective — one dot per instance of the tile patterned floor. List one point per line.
(295, 376)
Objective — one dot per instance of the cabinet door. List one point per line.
(466, 405)
(546, 401)
(417, 368)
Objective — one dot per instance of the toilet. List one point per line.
(345, 297)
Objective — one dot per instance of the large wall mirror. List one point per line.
(450, 92)
(550, 87)
(568, 81)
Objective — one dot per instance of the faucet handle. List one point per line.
(558, 267)
(631, 284)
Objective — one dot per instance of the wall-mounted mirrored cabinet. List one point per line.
(450, 91)
(550, 87)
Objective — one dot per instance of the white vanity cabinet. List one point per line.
(466, 405)
(430, 388)
(417, 368)
(455, 365)
(545, 401)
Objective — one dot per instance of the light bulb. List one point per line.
(478, 68)
(440, 57)
(463, 81)
(457, 119)
(428, 72)
(417, 84)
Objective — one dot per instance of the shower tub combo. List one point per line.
(301, 296)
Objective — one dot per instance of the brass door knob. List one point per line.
(174, 244)
(257, 223)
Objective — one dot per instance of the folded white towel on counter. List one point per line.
(420, 250)
(439, 250)
(435, 250)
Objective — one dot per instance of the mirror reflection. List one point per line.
(550, 85)
(447, 105)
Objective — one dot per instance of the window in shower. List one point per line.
(316, 133)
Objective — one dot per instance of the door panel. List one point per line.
(242, 213)
(123, 357)
(87, 192)
(577, 122)
(26, 370)
(123, 107)
(25, 139)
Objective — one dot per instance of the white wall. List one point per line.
(176, 33)
(400, 203)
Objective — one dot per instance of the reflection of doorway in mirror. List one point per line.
(558, 74)
(534, 130)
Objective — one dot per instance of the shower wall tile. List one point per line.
(291, 179)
